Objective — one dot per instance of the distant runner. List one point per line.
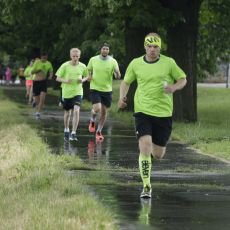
(29, 82)
(70, 75)
(101, 70)
(43, 71)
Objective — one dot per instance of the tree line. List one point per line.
(194, 32)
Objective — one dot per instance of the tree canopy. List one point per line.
(214, 35)
(195, 33)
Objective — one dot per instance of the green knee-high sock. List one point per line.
(145, 168)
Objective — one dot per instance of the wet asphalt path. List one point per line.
(190, 191)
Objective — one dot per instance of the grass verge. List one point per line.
(211, 133)
(36, 192)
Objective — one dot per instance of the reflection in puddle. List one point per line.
(97, 151)
(70, 149)
(145, 211)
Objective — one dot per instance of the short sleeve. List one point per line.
(176, 72)
(85, 72)
(116, 64)
(61, 71)
(130, 75)
(35, 66)
(90, 65)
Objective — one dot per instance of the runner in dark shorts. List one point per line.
(70, 75)
(42, 70)
(158, 77)
(101, 70)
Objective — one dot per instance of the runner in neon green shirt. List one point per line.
(42, 70)
(153, 103)
(29, 82)
(71, 74)
(101, 70)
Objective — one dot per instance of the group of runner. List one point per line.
(157, 76)
(72, 74)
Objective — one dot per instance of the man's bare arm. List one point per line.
(177, 86)
(124, 88)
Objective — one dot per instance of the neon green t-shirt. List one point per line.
(27, 73)
(149, 97)
(73, 72)
(46, 66)
(102, 72)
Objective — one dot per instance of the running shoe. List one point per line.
(99, 136)
(73, 137)
(147, 192)
(66, 136)
(92, 127)
(37, 115)
(33, 104)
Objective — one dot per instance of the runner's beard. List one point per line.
(104, 54)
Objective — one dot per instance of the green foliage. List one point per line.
(58, 25)
(33, 25)
(214, 35)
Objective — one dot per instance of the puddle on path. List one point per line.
(169, 208)
(190, 191)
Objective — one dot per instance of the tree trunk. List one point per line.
(134, 44)
(86, 91)
(182, 46)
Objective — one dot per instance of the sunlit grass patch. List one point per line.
(211, 133)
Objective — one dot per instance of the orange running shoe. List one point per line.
(99, 136)
(92, 127)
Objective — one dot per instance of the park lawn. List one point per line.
(211, 133)
(36, 191)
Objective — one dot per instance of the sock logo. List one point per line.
(145, 168)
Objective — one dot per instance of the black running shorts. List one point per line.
(69, 103)
(39, 86)
(159, 128)
(104, 98)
